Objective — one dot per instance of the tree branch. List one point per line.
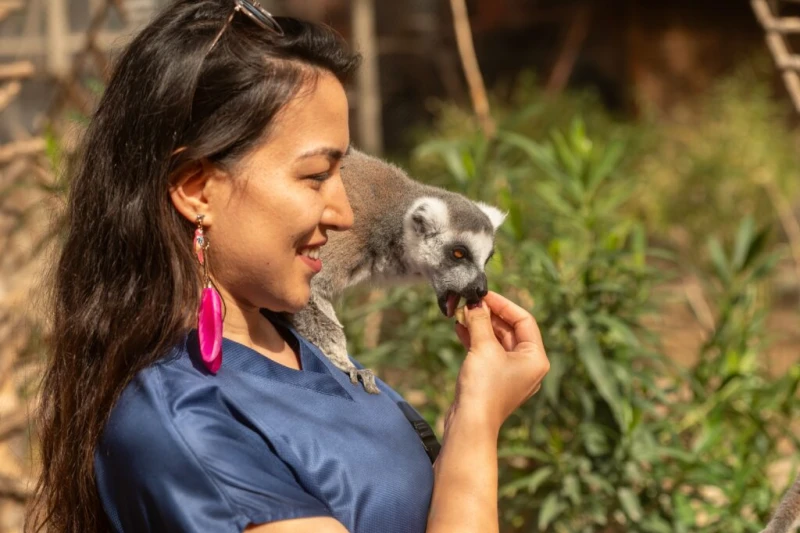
(472, 71)
(573, 41)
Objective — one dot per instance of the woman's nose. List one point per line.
(338, 214)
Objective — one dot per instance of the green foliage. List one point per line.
(713, 162)
(619, 439)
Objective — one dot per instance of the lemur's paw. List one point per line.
(367, 377)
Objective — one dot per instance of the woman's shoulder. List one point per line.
(141, 415)
(158, 397)
(171, 453)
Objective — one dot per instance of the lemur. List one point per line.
(788, 511)
(403, 232)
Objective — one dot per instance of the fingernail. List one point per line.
(474, 305)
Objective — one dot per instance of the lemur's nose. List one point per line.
(477, 289)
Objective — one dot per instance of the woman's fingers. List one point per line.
(463, 335)
(521, 321)
(479, 324)
(504, 333)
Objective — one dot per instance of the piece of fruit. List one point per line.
(461, 316)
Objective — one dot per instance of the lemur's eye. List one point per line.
(459, 253)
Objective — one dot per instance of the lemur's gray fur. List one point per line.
(788, 511)
(403, 230)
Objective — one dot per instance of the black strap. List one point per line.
(423, 429)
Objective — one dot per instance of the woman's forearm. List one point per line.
(465, 479)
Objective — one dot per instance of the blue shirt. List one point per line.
(185, 450)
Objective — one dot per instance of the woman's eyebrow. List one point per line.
(332, 153)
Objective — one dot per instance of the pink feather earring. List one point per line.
(209, 315)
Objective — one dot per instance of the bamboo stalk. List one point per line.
(16, 489)
(15, 149)
(8, 92)
(772, 23)
(472, 71)
(6, 8)
(784, 60)
(573, 41)
(17, 70)
(370, 132)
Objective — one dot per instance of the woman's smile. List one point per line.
(310, 256)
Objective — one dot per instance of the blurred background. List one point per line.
(647, 155)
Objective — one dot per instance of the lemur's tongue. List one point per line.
(452, 303)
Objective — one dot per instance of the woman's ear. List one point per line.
(190, 191)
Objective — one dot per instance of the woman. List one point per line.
(223, 124)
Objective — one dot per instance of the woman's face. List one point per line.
(280, 203)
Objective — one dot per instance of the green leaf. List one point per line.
(656, 524)
(515, 220)
(683, 508)
(518, 451)
(608, 204)
(450, 152)
(522, 115)
(618, 330)
(551, 508)
(594, 440)
(468, 164)
(530, 483)
(571, 488)
(534, 150)
(597, 482)
(551, 386)
(592, 358)
(639, 244)
(541, 156)
(756, 246)
(543, 258)
(568, 159)
(744, 238)
(763, 269)
(611, 158)
(719, 260)
(53, 149)
(550, 194)
(630, 504)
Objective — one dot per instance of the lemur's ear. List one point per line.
(427, 217)
(495, 215)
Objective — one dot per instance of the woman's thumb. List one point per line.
(479, 324)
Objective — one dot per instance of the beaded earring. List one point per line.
(209, 315)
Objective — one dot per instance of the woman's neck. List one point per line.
(246, 325)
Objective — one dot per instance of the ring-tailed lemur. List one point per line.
(403, 230)
(788, 511)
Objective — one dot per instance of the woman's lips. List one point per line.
(310, 256)
(313, 264)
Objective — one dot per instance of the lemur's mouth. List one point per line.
(448, 303)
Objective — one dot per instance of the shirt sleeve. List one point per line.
(197, 470)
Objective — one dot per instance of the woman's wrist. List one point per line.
(465, 488)
(471, 420)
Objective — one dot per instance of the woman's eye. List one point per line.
(319, 177)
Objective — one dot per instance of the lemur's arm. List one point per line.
(317, 322)
(788, 511)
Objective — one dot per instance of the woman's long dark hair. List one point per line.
(126, 285)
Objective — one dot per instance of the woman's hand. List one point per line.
(505, 365)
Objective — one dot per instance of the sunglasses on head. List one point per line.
(254, 12)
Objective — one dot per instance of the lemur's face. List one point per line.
(450, 242)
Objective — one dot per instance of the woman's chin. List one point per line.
(298, 302)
